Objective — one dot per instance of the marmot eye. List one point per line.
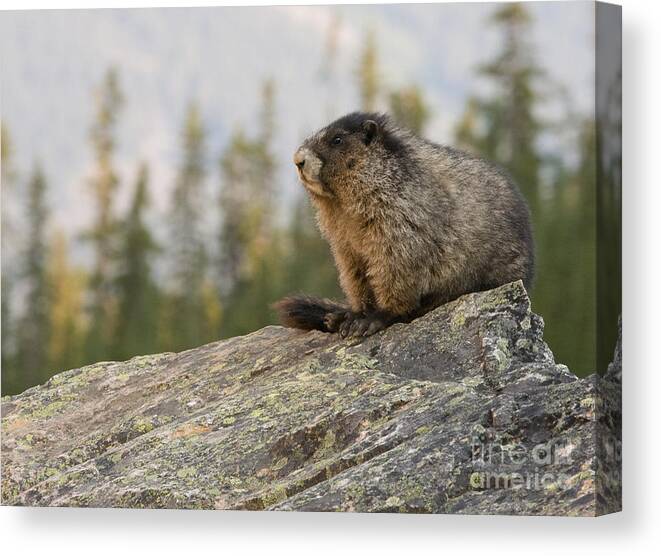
(337, 140)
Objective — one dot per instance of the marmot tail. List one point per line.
(307, 313)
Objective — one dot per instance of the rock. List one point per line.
(462, 411)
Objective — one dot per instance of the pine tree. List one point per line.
(328, 69)
(408, 108)
(566, 242)
(504, 127)
(368, 74)
(466, 131)
(104, 186)
(250, 248)
(406, 105)
(512, 128)
(237, 216)
(33, 329)
(309, 264)
(267, 122)
(7, 178)
(67, 320)
(185, 311)
(136, 325)
(246, 198)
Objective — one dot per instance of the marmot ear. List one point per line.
(371, 128)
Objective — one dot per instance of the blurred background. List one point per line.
(148, 199)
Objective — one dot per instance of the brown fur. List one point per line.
(411, 224)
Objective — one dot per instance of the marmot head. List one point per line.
(345, 151)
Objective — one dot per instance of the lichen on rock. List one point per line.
(462, 411)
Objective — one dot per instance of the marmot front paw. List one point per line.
(358, 324)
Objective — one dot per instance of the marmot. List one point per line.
(411, 225)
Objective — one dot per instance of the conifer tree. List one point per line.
(309, 265)
(67, 320)
(237, 217)
(368, 74)
(33, 329)
(136, 325)
(104, 185)
(246, 198)
(512, 127)
(408, 108)
(407, 105)
(267, 122)
(8, 263)
(466, 131)
(185, 310)
(250, 247)
(328, 69)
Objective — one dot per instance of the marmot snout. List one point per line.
(411, 224)
(309, 166)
